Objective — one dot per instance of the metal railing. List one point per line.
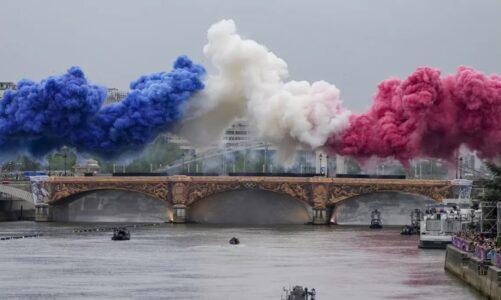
(217, 152)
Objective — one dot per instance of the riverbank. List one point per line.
(474, 271)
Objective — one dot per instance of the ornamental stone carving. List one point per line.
(320, 196)
(59, 189)
(179, 193)
(342, 192)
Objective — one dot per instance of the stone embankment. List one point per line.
(475, 271)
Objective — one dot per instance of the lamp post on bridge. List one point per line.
(182, 166)
(265, 167)
(321, 169)
(65, 155)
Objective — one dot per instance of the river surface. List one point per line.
(196, 262)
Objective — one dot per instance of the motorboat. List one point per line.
(376, 220)
(121, 234)
(299, 293)
(414, 227)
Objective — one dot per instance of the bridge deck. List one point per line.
(325, 180)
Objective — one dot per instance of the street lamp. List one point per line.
(460, 168)
(327, 164)
(182, 167)
(265, 158)
(65, 155)
(320, 165)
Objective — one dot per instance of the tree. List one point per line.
(56, 160)
(160, 152)
(493, 186)
(352, 166)
(27, 164)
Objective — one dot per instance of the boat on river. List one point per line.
(414, 227)
(299, 293)
(376, 220)
(121, 234)
(441, 222)
(234, 241)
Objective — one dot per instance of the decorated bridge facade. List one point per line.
(180, 192)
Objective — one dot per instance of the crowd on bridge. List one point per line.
(486, 249)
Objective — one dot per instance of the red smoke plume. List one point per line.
(427, 115)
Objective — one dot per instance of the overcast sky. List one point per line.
(353, 44)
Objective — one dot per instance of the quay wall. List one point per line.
(470, 269)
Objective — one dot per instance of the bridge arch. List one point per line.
(395, 207)
(77, 194)
(250, 206)
(199, 191)
(111, 205)
(67, 188)
(339, 193)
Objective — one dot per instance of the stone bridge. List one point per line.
(180, 192)
(18, 191)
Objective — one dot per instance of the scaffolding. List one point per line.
(499, 218)
(488, 218)
(460, 192)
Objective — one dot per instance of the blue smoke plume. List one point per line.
(67, 110)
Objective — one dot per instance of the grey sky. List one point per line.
(351, 43)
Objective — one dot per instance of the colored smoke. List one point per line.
(422, 116)
(427, 115)
(251, 82)
(67, 110)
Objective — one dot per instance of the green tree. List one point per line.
(352, 166)
(56, 160)
(159, 153)
(493, 186)
(26, 164)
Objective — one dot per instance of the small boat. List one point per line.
(234, 241)
(416, 217)
(407, 230)
(299, 293)
(376, 220)
(121, 234)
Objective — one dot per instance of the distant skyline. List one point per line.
(352, 44)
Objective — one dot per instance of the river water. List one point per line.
(196, 262)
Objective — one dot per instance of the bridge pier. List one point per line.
(179, 213)
(42, 213)
(320, 216)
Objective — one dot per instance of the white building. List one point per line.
(6, 86)
(115, 95)
(90, 166)
(238, 134)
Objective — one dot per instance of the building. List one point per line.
(90, 166)
(115, 95)
(6, 86)
(238, 134)
(182, 143)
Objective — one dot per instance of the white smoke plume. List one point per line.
(251, 82)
